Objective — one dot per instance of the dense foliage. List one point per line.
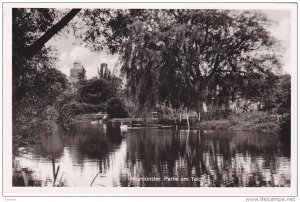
(97, 91)
(116, 108)
(36, 82)
(281, 95)
(69, 111)
(82, 77)
(185, 57)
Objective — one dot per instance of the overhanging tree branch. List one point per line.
(31, 50)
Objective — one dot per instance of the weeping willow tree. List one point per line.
(185, 57)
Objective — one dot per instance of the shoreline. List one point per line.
(251, 121)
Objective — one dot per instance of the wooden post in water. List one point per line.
(187, 119)
(180, 116)
(53, 168)
(25, 178)
(176, 121)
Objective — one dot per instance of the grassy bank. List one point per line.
(254, 121)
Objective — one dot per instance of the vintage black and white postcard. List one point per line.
(150, 99)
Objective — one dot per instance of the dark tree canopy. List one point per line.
(178, 57)
(31, 29)
(116, 108)
(181, 57)
(97, 91)
(36, 83)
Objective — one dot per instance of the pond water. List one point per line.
(101, 156)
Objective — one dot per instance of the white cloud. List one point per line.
(282, 31)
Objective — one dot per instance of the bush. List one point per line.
(254, 121)
(31, 124)
(97, 91)
(116, 108)
(68, 112)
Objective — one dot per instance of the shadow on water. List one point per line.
(100, 156)
(285, 135)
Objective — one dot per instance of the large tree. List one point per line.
(32, 29)
(36, 82)
(181, 57)
(97, 91)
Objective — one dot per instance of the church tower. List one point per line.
(75, 71)
(74, 74)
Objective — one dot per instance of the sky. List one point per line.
(68, 51)
(281, 30)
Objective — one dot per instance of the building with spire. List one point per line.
(75, 71)
(74, 74)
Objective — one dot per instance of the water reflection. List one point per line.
(100, 156)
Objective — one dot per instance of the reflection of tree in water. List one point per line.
(285, 139)
(85, 143)
(114, 135)
(214, 159)
(97, 146)
(152, 153)
(51, 146)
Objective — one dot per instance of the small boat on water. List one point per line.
(207, 131)
(123, 127)
(105, 117)
(94, 122)
(165, 126)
